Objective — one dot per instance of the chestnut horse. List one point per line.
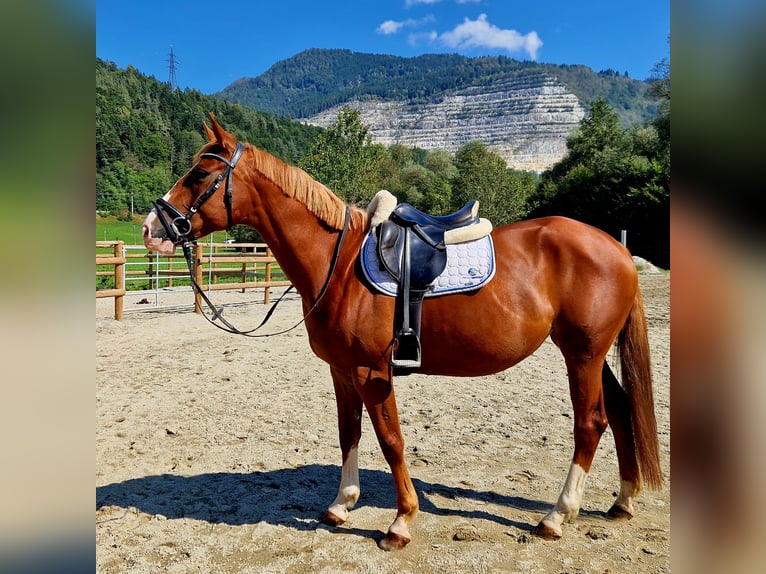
(554, 277)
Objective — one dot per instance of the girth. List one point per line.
(412, 249)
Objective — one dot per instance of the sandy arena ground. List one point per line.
(217, 453)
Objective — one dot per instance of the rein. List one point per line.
(218, 313)
(179, 231)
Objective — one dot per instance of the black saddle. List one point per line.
(411, 248)
(406, 214)
(427, 253)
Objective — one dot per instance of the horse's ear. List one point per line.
(210, 134)
(219, 134)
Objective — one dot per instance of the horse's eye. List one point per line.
(197, 174)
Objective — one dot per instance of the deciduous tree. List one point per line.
(344, 158)
(483, 175)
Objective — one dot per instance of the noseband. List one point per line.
(179, 228)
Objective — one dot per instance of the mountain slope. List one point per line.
(523, 110)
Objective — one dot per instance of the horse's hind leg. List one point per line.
(349, 405)
(589, 424)
(618, 413)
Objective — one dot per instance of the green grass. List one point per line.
(112, 229)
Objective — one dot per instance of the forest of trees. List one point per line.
(612, 177)
(344, 158)
(147, 133)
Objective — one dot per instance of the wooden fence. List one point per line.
(224, 266)
(115, 260)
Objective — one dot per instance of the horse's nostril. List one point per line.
(148, 233)
(150, 228)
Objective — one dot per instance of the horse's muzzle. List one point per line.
(154, 236)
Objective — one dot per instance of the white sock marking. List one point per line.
(348, 492)
(568, 505)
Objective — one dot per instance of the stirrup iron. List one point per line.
(405, 353)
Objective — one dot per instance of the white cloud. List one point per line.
(409, 3)
(392, 26)
(416, 38)
(480, 33)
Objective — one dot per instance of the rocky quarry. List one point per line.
(524, 120)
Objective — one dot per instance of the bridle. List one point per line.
(179, 231)
(179, 228)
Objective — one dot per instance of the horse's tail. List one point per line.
(635, 363)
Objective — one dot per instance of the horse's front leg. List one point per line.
(377, 391)
(349, 405)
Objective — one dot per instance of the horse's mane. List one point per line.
(299, 185)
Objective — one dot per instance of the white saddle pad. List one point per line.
(470, 266)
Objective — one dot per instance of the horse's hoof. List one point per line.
(393, 541)
(619, 513)
(546, 532)
(331, 519)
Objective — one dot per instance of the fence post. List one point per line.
(151, 255)
(170, 271)
(213, 274)
(119, 280)
(244, 269)
(198, 277)
(267, 278)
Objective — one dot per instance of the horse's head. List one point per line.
(202, 201)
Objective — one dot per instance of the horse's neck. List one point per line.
(301, 243)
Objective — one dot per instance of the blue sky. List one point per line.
(216, 43)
